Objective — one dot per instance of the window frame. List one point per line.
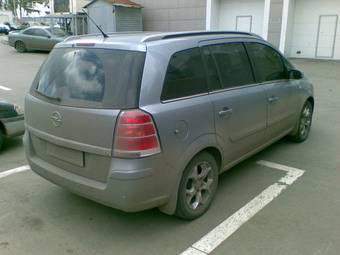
(253, 67)
(31, 30)
(43, 30)
(191, 96)
(211, 90)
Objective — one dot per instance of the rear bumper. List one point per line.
(14, 126)
(126, 189)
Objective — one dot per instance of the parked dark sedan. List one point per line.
(4, 29)
(11, 121)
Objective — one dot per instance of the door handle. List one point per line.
(273, 99)
(225, 112)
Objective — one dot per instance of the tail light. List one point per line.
(136, 135)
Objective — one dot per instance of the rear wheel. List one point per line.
(20, 46)
(305, 123)
(198, 187)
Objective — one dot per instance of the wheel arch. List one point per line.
(311, 100)
(2, 128)
(206, 143)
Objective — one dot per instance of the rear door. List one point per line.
(282, 97)
(42, 39)
(73, 105)
(28, 38)
(239, 104)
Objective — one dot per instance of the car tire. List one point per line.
(198, 187)
(20, 46)
(304, 124)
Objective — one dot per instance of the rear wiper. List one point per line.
(48, 97)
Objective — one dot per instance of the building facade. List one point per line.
(173, 15)
(299, 28)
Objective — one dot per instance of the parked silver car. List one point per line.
(136, 121)
(36, 38)
(11, 121)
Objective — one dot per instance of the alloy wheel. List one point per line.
(199, 185)
(306, 121)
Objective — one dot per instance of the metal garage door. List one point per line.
(313, 29)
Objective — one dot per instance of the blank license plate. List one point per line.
(69, 155)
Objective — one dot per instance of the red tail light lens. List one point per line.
(136, 135)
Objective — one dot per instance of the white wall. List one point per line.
(6, 16)
(213, 15)
(230, 9)
(287, 42)
(305, 26)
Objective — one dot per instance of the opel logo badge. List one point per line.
(56, 118)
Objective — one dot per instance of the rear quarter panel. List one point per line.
(185, 126)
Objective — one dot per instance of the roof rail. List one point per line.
(75, 37)
(164, 36)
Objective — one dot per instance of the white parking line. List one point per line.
(219, 234)
(14, 171)
(5, 88)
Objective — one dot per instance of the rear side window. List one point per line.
(185, 75)
(40, 32)
(29, 31)
(233, 64)
(212, 74)
(268, 64)
(91, 78)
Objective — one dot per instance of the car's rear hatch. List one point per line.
(73, 105)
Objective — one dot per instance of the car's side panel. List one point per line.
(243, 129)
(185, 126)
(282, 104)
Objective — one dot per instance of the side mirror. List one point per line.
(295, 74)
(49, 37)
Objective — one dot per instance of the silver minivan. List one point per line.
(136, 121)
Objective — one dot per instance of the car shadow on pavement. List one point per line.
(11, 144)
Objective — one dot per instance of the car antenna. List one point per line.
(101, 30)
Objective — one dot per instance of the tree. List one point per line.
(15, 5)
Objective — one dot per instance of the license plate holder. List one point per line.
(65, 154)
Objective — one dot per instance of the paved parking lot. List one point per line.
(37, 217)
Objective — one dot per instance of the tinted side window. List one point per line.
(29, 32)
(40, 32)
(233, 64)
(185, 75)
(212, 74)
(268, 64)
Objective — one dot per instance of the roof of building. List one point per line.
(124, 3)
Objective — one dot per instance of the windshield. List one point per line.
(93, 78)
(56, 32)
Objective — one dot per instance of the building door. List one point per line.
(326, 36)
(244, 23)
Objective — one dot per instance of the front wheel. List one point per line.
(198, 187)
(304, 124)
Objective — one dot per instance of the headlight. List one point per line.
(18, 110)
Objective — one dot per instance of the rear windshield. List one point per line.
(91, 78)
